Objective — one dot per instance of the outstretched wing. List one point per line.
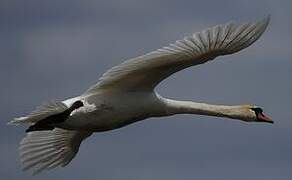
(44, 150)
(143, 73)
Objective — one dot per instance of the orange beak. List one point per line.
(263, 118)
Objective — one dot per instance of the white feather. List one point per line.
(41, 112)
(146, 71)
(41, 150)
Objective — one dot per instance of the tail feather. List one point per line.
(41, 112)
(44, 150)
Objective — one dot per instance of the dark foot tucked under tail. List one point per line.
(38, 128)
(49, 122)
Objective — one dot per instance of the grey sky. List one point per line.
(56, 49)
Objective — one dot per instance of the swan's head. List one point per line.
(76, 105)
(260, 116)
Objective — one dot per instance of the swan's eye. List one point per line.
(257, 110)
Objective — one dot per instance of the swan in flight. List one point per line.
(126, 94)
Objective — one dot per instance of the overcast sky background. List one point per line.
(56, 49)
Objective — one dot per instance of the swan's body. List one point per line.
(114, 111)
(125, 94)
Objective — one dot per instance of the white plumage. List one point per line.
(146, 71)
(41, 150)
(41, 112)
(125, 94)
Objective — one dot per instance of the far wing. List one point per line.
(143, 73)
(44, 150)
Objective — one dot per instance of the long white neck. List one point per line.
(241, 112)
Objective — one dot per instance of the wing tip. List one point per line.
(262, 26)
(265, 21)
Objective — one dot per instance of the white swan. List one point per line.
(125, 94)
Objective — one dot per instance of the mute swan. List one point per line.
(125, 94)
